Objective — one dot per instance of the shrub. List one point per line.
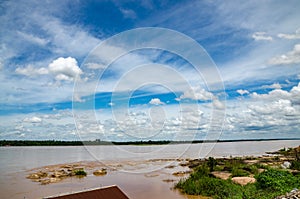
(211, 163)
(80, 173)
(207, 186)
(277, 180)
(295, 165)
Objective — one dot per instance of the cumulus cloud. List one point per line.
(197, 93)
(277, 94)
(65, 69)
(242, 92)
(62, 68)
(282, 106)
(156, 101)
(290, 36)
(257, 36)
(291, 57)
(33, 119)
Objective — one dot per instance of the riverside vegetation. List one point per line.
(241, 178)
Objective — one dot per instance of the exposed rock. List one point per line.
(251, 161)
(60, 174)
(33, 176)
(221, 174)
(37, 175)
(170, 167)
(243, 180)
(49, 180)
(181, 173)
(294, 194)
(285, 165)
(169, 180)
(184, 164)
(100, 172)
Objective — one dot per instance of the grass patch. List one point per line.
(238, 172)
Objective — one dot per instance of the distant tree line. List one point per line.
(74, 143)
(39, 143)
(100, 142)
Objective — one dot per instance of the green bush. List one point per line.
(277, 180)
(295, 165)
(80, 173)
(211, 163)
(208, 186)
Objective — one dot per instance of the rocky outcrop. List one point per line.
(221, 174)
(243, 180)
(100, 172)
(55, 174)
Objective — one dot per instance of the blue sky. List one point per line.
(47, 47)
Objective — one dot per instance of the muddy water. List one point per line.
(139, 186)
(129, 166)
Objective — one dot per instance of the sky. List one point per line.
(149, 70)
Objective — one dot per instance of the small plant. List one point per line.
(80, 173)
(282, 150)
(211, 163)
(237, 172)
(295, 165)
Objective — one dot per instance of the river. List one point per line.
(138, 178)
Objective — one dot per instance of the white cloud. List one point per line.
(33, 39)
(218, 104)
(273, 86)
(292, 57)
(33, 119)
(31, 71)
(293, 95)
(242, 92)
(65, 69)
(197, 93)
(257, 36)
(95, 66)
(156, 101)
(290, 36)
(127, 13)
(282, 105)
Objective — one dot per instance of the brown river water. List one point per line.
(140, 171)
